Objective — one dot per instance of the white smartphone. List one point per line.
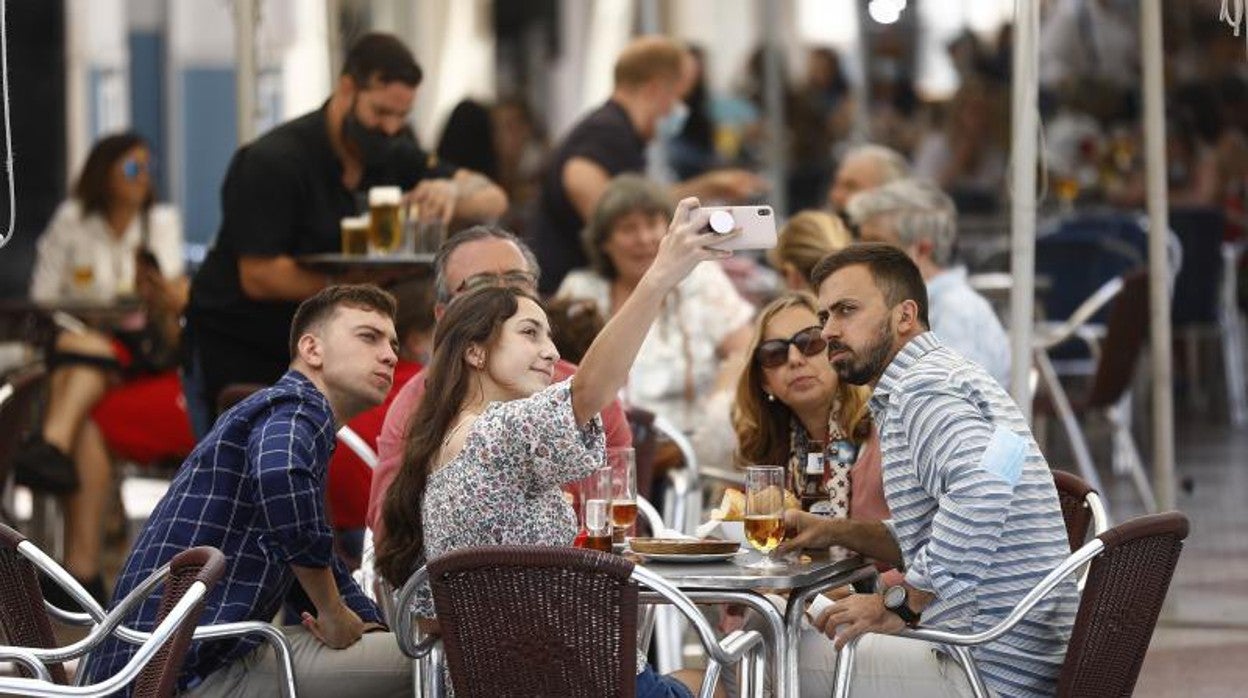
(758, 225)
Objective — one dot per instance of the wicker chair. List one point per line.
(1081, 508)
(19, 391)
(26, 614)
(154, 668)
(1131, 568)
(546, 621)
(22, 616)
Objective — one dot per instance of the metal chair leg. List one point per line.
(844, 668)
(1232, 338)
(669, 629)
(434, 674)
(1124, 444)
(1061, 404)
(962, 655)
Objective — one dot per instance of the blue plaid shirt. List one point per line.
(255, 489)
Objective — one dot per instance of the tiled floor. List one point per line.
(1200, 647)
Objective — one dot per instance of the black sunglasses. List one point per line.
(775, 352)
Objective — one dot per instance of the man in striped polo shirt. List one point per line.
(975, 522)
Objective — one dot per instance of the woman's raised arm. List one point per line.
(607, 362)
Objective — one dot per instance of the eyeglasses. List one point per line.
(512, 279)
(775, 352)
(132, 168)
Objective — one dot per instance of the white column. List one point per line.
(1023, 199)
(777, 150)
(1158, 269)
(245, 19)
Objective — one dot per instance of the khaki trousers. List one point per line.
(884, 666)
(372, 667)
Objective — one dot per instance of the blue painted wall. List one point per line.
(209, 138)
(147, 100)
(95, 82)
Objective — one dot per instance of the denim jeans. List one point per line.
(651, 684)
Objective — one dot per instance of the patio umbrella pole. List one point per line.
(1158, 269)
(1024, 130)
(245, 68)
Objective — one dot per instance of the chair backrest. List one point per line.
(23, 618)
(1125, 333)
(537, 621)
(1199, 230)
(203, 564)
(18, 393)
(235, 393)
(1125, 590)
(1081, 253)
(1072, 494)
(645, 443)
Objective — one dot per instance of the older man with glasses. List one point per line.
(479, 256)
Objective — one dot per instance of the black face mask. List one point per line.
(374, 145)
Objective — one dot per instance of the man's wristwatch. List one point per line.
(895, 600)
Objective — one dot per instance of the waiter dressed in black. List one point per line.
(284, 195)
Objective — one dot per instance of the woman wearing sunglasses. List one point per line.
(108, 241)
(789, 400)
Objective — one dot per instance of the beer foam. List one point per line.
(385, 196)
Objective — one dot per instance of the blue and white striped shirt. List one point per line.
(974, 511)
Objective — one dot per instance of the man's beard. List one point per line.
(875, 358)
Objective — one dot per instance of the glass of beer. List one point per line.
(597, 510)
(623, 464)
(385, 226)
(355, 235)
(764, 512)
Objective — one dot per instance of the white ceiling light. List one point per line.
(886, 11)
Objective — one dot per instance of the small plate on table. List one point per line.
(683, 550)
(691, 557)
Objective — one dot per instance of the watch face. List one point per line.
(895, 596)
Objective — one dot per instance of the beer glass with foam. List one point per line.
(385, 227)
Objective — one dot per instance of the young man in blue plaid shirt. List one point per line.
(255, 489)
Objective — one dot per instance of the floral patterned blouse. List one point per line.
(503, 486)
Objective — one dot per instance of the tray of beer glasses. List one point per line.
(334, 262)
(683, 549)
